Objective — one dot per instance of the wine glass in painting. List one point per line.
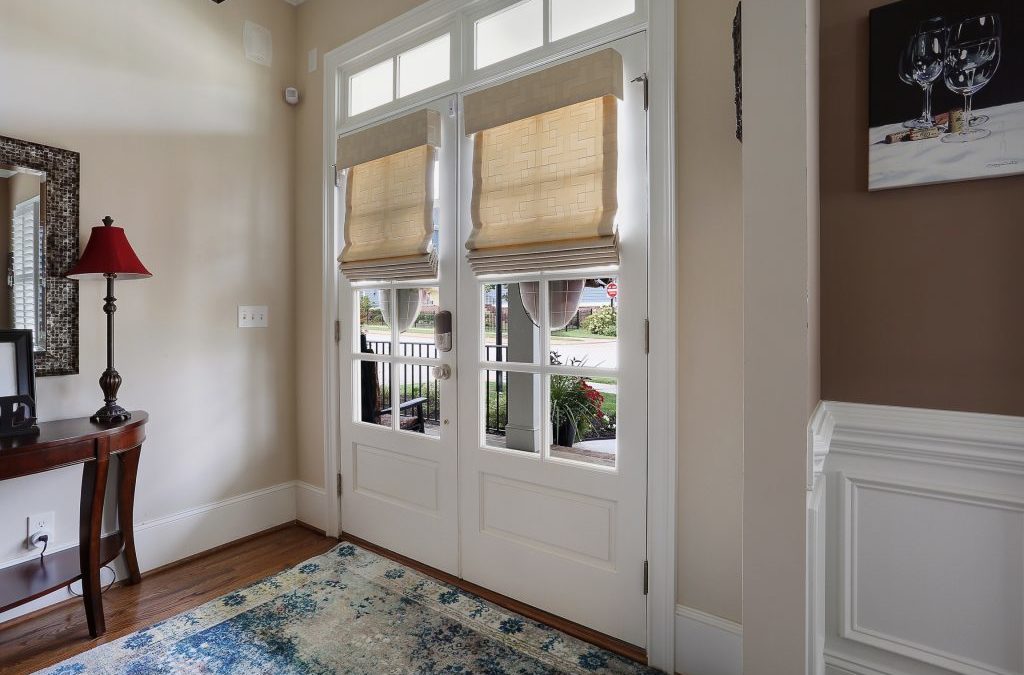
(921, 63)
(972, 59)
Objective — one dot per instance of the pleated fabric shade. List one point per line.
(545, 167)
(388, 201)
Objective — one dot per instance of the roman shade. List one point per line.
(388, 202)
(544, 168)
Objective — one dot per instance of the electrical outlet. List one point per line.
(39, 523)
(252, 316)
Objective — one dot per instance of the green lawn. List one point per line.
(579, 333)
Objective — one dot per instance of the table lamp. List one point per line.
(108, 255)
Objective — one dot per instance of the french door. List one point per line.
(522, 466)
(399, 418)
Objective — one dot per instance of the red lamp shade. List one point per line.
(108, 252)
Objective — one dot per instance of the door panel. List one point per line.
(399, 472)
(554, 521)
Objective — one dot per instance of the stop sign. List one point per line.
(612, 289)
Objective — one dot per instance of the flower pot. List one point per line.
(564, 434)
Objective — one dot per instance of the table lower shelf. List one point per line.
(35, 578)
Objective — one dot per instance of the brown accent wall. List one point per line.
(922, 289)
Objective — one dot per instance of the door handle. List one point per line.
(442, 372)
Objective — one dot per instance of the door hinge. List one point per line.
(337, 330)
(339, 494)
(647, 336)
(645, 577)
(642, 77)
(337, 175)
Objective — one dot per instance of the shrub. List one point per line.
(602, 322)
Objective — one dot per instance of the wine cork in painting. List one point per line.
(956, 121)
(924, 134)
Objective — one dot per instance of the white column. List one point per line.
(523, 388)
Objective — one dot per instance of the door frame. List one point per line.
(660, 24)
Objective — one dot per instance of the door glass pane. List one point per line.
(374, 393)
(511, 31)
(583, 419)
(569, 17)
(415, 309)
(510, 405)
(584, 322)
(510, 322)
(371, 87)
(374, 321)
(424, 66)
(419, 393)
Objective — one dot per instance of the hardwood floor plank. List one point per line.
(58, 632)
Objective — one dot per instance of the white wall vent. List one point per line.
(259, 48)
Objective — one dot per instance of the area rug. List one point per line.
(347, 611)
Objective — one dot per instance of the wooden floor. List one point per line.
(56, 633)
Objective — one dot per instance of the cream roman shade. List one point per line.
(544, 168)
(388, 201)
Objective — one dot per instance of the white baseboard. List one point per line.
(311, 504)
(165, 540)
(707, 644)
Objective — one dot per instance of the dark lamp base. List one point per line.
(111, 414)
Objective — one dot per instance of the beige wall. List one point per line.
(780, 353)
(324, 25)
(190, 147)
(710, 214)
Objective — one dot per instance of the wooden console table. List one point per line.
(66, 443)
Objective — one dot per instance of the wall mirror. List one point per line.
(38, 245)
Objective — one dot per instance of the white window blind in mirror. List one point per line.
(25, 256)
(389, 176)
(545, 168)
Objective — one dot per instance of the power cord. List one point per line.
(104, 589)
(45, 538)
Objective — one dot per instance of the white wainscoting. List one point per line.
(165, 540)
(925, 542)
(707, 644)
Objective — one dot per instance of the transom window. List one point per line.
(411, 71)
(484, 35)
(520, 28)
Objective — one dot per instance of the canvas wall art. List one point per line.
(946, 91)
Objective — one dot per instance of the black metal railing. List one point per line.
(416, 381)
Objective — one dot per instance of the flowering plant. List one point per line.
(574, 402)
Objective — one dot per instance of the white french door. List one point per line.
(554, 521)
(478, 474)
(399, 419)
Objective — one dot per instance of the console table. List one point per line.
(66, 443)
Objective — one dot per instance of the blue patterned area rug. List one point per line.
(347, 611)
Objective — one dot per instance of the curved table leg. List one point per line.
(125, 510)
(94, 483)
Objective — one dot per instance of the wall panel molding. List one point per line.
(925, 542)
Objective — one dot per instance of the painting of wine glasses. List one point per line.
(946, 81)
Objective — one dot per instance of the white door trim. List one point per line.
(662, 445)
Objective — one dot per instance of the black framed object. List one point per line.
(17, 384)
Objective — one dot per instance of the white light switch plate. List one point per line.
(252, 316)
